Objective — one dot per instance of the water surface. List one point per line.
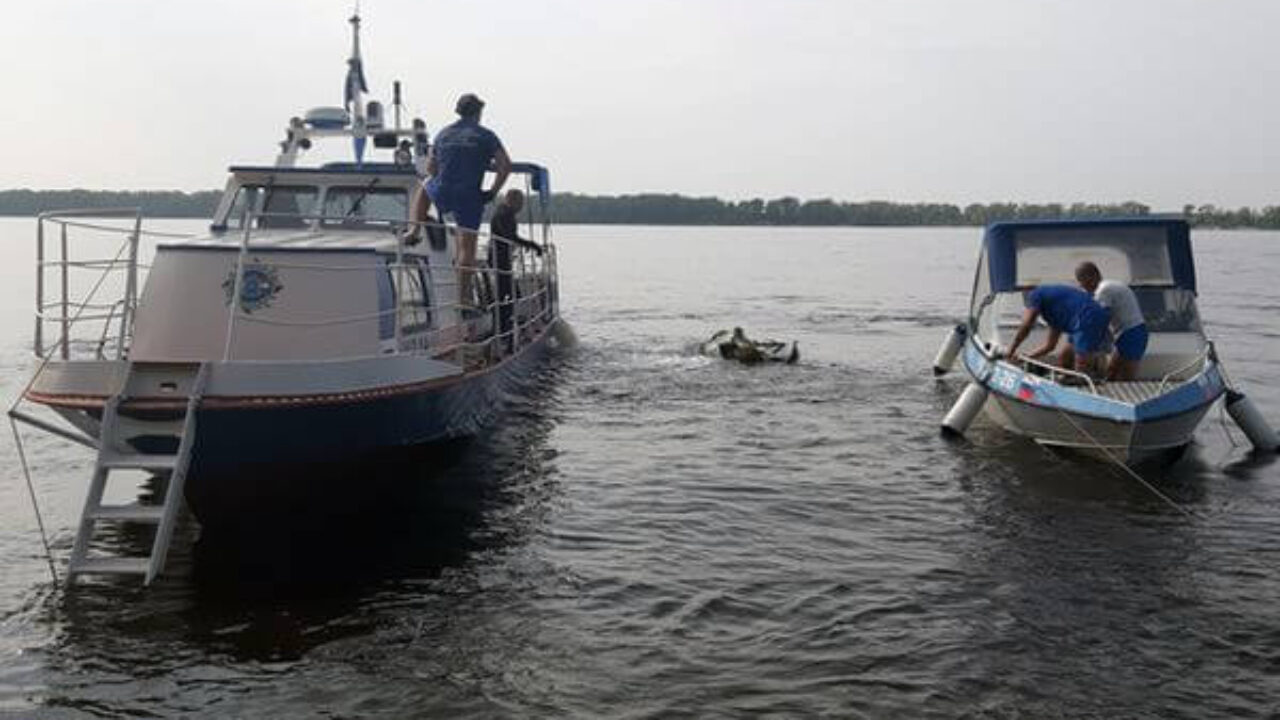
(656, 534)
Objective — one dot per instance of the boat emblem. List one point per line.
(260, 286)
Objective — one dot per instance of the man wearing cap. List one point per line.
(461, 155)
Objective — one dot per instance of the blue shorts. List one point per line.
(1132, 343)
(1091, 334)
(465, 204)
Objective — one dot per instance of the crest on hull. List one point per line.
(258, 289)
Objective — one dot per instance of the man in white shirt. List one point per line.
(1127, 324)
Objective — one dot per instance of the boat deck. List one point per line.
(1134, 391)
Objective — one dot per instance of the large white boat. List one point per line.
(1179, 378)
(314, 322)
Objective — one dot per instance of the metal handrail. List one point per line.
(57, 216)
(66, 311)
(1197, 360)
(528, 267)
(1055, 370)
(363, 317)
(106, 327)
(542, 274)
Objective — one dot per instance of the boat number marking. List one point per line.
(1004, 379)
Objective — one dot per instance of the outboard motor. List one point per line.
(946, 357)
(967, 407)
(1255, 427)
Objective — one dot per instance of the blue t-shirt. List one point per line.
(463, 152)
(1062, 306)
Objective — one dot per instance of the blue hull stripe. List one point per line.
(1005, 379)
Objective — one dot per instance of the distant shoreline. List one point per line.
(672, 209)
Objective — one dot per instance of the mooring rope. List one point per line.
(1106, 452)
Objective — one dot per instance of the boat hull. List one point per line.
(1132, 443)
(255, 456)
(1133, 433)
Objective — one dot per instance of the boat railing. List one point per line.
(532, 306)
(1179, 374)
(87, 308)
(1196, 364)
(86, 301)
(1055, 372)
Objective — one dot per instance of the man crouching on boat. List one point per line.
(1127, 324)
(1069, 310)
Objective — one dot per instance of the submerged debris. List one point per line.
(736, 345)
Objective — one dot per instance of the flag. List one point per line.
(355, 82)
(355, 68)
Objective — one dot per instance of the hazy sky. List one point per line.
(1160, 101)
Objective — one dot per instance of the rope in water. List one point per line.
(1106, 453)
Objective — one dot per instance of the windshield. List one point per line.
(277, 206)
(347, 206)
(1134, 256)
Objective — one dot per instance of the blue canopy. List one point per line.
(541, 178)
(1003, 240)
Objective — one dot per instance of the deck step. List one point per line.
(133, 512)
(111, 566)
(139, 461)
(131, 426)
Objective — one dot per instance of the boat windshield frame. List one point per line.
(1142, 252)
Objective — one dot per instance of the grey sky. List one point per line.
(1161, 101)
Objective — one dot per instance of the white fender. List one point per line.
(946, 357)
(1255, 427)
(562, 332)
(966, 409)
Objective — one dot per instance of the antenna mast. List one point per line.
(353, 95)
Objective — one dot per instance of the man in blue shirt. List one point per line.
(459, 158)
(1069, 310)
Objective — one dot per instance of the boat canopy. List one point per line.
(540, 178)
(1137, 251)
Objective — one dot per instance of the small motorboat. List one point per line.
(735, 345)
(1179, 378)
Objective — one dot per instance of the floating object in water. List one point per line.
(946, 357)
(736, 345)
(1255, 427)
(967, 407)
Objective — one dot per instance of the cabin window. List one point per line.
(347, 206)
(1168, 310)
(412, 293)
(276, 206)
(1136, 256)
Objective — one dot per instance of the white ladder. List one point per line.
(115, 454)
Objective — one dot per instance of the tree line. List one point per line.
(154, 203)
(672, 209)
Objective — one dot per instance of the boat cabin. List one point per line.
(327, 272)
